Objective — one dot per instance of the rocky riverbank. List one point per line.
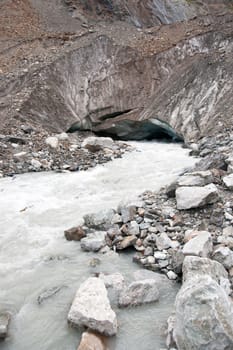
(27, 149)
(185, 232)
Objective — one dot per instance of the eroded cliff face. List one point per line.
(115, 79)
(145, 13)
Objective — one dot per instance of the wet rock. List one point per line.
(128, 213)
(94, 144)
(52, 141)
(115, 280)
(194, 197)
(224, 256)
(139, 292)
(91, 308)
(146, 274)
(99, 221)
(92, 341)
(4, 324)
(48, 293)
(126, 242)
(204, 315)
(75, 233)
(201, 245)
(93, 242)
(228, 181)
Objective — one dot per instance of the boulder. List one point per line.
(127, 242)
(164, 242)
(99, 221)
(204, 316)
(92, 341)
(195, 196)
(198, 178)
(194, 266)
(224, 256)
(128, 213)
(94, 144)
(74, 234)
(201, 245)
(228, 181)
(91, 308)
(52, 141)
(139, 292)
(114, 280)
(93, 242)
(4, 324)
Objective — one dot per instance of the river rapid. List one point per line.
(35, 210)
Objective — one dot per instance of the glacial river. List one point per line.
(35, 209)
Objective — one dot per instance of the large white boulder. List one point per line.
(204, 316)
(198, 178)
(195, 196)
(201, 245)
(91, 308)
(139, 292)
(94, 144)
(52, 141)
(228, 181)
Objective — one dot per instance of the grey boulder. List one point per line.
(138, 293)
(93, 242)
(204, 316)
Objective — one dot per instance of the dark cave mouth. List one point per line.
(130, 130)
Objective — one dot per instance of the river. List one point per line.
(35, 210)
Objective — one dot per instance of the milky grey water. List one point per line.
(34, 256)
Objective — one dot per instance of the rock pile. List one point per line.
(26, 149)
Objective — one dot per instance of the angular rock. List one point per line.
(201, 245)
(228, 181)
(91, 308)
(36, 164)
(127, 242)
(92, 341)
(74, 234)
(163, 241)
(128, 213)
(52, 141)
(204, 316)
(115, 280)
(194, 266)
(195, 197)
(224, 256)
(198, 178)
(4, 323)
(94, 144)
(93, 242)
(139, 292)
(99, 221)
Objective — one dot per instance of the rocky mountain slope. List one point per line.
(128, 70)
